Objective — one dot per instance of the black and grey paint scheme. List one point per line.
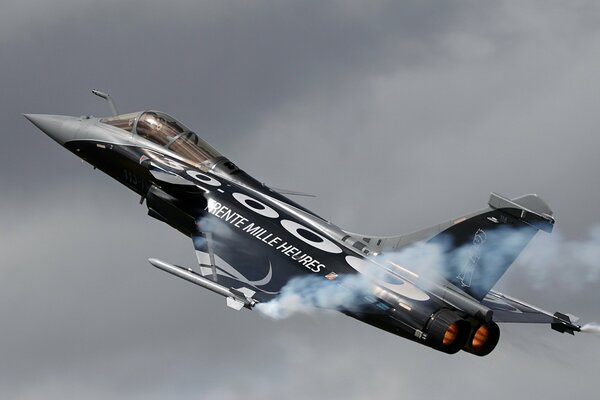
(250, 240)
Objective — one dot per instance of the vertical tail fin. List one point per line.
(477, 248)
(480, 248)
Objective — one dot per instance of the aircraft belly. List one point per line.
(258, 250)
(264, 259)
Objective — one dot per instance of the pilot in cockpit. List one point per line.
(167, 132)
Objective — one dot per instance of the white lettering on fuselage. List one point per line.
(226, 214)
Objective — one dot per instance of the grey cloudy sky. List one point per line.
(397, 114)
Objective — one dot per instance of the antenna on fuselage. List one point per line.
(107, 97)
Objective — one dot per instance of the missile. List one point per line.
(235, 298)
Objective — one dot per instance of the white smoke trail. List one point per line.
(306, 294)
(547, 258)
(572, 263)
(592, 327)
(483, 259)
(575, 262)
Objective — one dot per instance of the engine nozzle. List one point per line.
(447, 331)
(483, 339)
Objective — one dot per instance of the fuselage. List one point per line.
(260, 238)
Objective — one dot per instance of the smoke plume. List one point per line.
(305, 294)
(592, 327)
(573, 262)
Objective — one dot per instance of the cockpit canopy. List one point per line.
(167, 132)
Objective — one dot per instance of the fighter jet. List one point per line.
(251, 240)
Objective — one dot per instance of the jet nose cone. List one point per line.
(61, 128)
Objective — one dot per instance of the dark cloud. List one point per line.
(397, 114)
